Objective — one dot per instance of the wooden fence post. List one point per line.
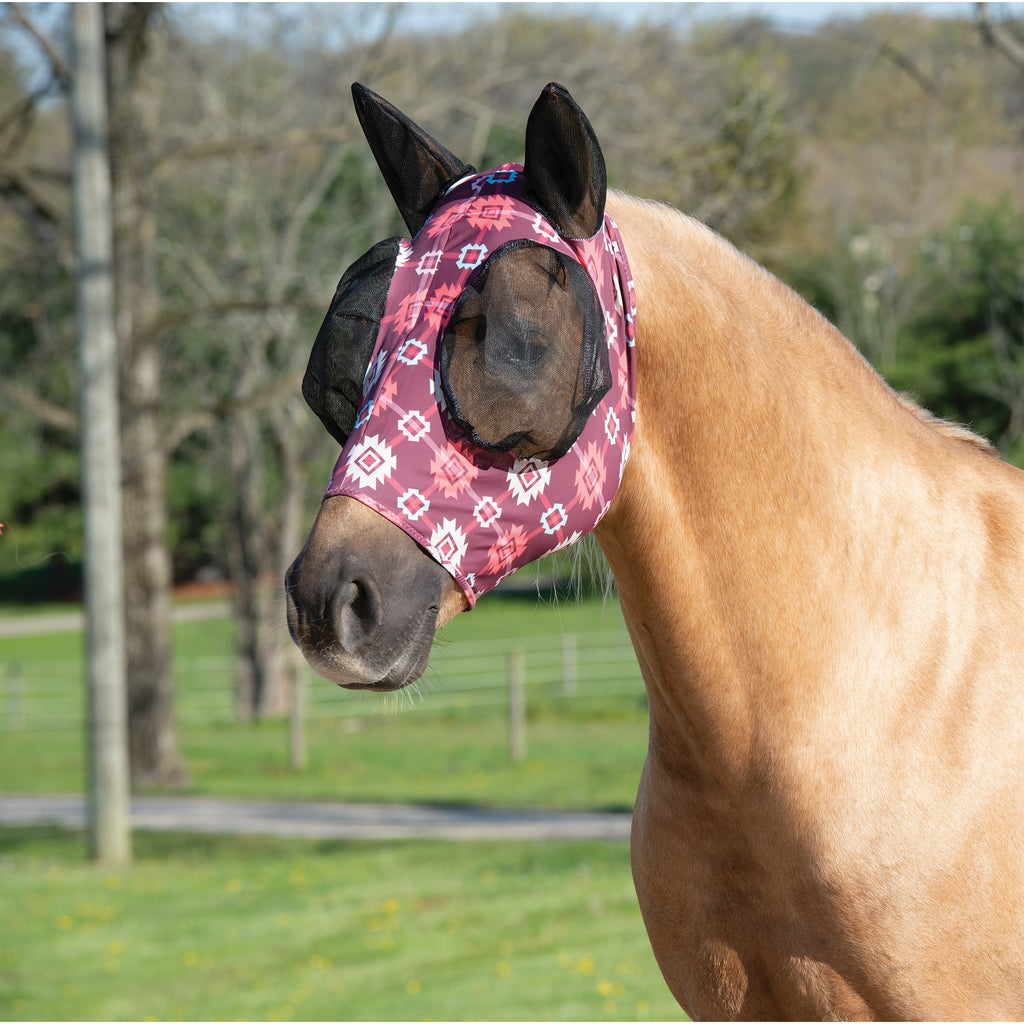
(297, 713)
(569, 665)
(15, 689)
(517, 706)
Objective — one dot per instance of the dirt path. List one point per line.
(312, 820)
(70, 621)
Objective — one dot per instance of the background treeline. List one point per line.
(874, 164)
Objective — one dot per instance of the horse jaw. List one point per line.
(364, 600)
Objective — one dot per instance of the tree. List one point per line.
(31, 193)
(245, 189)
(963, 351)
(1005, 37)
(282, 232)
(242, 190)
(38, 418)
(109, 830)
(155, 757)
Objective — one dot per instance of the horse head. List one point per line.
(479, 378)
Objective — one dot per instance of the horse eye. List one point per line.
(528, 350)
(536, 342)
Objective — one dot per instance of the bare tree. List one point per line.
(283, 257)
(289, 196)
(153, 735)
(34, 193)
(1001, 36)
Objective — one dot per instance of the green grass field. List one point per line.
(227, 928)
(214, 929)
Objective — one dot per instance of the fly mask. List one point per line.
(480, 377)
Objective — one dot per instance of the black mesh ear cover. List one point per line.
(564, 165)
(332, 385)
(417, 169)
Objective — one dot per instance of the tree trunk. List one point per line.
(246, 557)
(109, 826)
(262, 688)
(287, 430)
(153, 742)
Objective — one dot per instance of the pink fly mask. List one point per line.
(480, 379)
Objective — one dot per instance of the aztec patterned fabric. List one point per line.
(482, 514)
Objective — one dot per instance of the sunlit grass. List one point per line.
(209, 928)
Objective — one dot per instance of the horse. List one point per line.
(823, 584)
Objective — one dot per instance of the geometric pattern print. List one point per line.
(482, 515)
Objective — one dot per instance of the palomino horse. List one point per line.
(824, 585)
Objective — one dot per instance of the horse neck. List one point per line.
(760, 460)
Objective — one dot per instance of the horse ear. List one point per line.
(564, 164)
(416, 167)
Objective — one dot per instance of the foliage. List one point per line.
(265, 192)
(964, 355)
(38, 457)
(940, 314)
(836, 156)
(40, 557)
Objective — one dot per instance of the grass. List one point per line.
(208, 928)
(582, 752)
(202, 927)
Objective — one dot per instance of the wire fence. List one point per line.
(570, 671)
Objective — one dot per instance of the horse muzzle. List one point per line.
(364, 599)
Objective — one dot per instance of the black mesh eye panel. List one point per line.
(341, 353)
(524, 357)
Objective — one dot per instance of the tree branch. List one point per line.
(172, 317)
(60, 67)
(17, 120)
(188, 423)
(217, 414)
(999, 38)
(904, 63)
(304, 210)
(294, 139)
(14, 181)
(41, 408)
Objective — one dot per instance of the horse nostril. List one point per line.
(356, 613)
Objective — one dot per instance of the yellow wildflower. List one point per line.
(585, 965)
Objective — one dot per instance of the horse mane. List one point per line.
(672, 221)
(953, 431)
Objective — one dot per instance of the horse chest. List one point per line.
(743, 923)
(750, 917)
